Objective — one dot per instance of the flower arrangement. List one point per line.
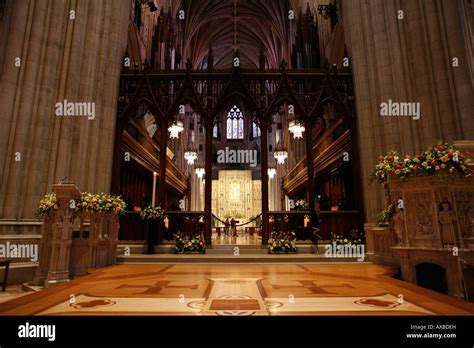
(434, 159)
(47, 203)
(187, 246)
(385, 215)
(101, 203)
(152, 213)
(437, 159)
(354, 238)
(282, 242)
(301, 205)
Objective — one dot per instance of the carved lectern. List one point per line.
(56, 239)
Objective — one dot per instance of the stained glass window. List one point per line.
(229, 128)
(255, 130)
(235, 124)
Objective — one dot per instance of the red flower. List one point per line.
(440, 147)
(399, 166)
(450, 154)
(390, 158)
(434, 163)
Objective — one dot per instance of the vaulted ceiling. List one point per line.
(246, 25)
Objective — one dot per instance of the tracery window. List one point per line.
(235, 124)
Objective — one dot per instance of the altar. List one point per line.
(236, 195)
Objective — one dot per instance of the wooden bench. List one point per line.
(6, 264)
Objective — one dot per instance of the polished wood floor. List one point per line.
(236, 289)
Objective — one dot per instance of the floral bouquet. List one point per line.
(354, 238)
(282, 242)
(186, 246)
(433, 160)
(301, 205)
(152, 213)
(386, 214)
(101, 203)
(47, 203)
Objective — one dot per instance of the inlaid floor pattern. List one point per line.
(236, 289)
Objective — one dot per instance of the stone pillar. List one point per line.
(406, 60)
(208, 185)
(264, 176)
(77, 59)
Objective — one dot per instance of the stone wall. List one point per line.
(407, 60)
(59, 58)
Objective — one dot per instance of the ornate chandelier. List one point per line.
(200, 172)
(176, 128)
(271, 172)
(280, 155)
(296, 128)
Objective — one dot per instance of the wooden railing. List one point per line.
(338, 222)
(291, 221)
(94, 241)
(133, 230)
(190, 223)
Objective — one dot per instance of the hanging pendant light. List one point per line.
(296, 128)
(271, 172)
(280, 155)
(200, 172)
(190, 155)
(178, 125)
(176, 128)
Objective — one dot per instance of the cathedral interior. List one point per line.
(235, 152)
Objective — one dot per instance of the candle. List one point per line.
(155, 174)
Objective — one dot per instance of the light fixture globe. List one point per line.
(280, 155)
(175, 129)
(200, 172)
(190, 156)
(296, 128)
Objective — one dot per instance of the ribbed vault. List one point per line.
(259, 24)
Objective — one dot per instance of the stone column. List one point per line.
(208, 185)
(406, 60)
(77, 59)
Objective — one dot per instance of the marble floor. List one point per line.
(242, 238)
(237, 289)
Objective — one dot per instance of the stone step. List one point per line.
(215, 249)
(29, 287)
(226, 258)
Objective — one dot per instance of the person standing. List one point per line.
(226, 227)
(233, 228)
